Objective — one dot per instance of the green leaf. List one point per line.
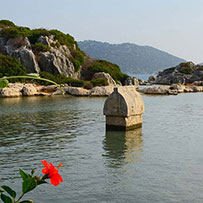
(24, 175)
(6, 199)
(3, 83)
(26, 201)
(2, 191)
(33, 171)
(11, 192)
(28, 185)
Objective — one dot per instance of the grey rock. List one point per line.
(198, 83)
(57, 63)
(28, 90)
(18, 42)
(152, 79)
(44, 40)
(101, 91)
(182, 74)
(27, 58)
(76, 91)
(132, 81)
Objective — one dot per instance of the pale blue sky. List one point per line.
(175, 26)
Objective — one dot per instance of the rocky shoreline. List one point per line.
(28, 89)
(20, 89)
(174, 89)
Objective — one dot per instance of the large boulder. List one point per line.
(152, 79)
(27, 58)
(76, 91)
(20, 48)
(155, 90)
(170, 79)
(106, 76)
(10, 92)
(57, 63)
(13, 90)
(132, 81)
(101, 91)
(178, 87)
(29, 90)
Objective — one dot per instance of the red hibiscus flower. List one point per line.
(52, 173)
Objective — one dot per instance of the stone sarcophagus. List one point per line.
(123, 109)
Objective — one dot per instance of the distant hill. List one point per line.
(132, 59)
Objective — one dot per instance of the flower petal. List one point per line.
(45, 170)
(45, 163)
(56, 179)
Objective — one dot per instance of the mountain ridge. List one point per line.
(132, 58)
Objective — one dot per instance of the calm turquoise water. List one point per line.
(163, 162)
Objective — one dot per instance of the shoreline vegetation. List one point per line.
(53, 55)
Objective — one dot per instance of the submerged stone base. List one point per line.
(123, 123)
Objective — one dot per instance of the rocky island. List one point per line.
(185, 77)
(55, 56)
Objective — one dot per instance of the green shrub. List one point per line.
(185, 64)
(186, 70)
(61, 79)
(6, 23)
(107, 67)
(13, 32)
(99, 82)
(36, 33)
(78, 55)
(55, 45)
(63, 39)
(10, 66)
(88, 85)
(37, 47)
(48, 76)
(76, 64)
(75, 82)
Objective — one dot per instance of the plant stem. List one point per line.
(21, 196)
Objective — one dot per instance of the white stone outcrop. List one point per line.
(76, 91)
(171, 90)
(29, 90)
(101, 91)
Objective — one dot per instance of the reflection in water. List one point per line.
(122, 147)
(34, 128)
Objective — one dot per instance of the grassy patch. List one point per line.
(186, 70)
(99, 82)
(37, 47)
